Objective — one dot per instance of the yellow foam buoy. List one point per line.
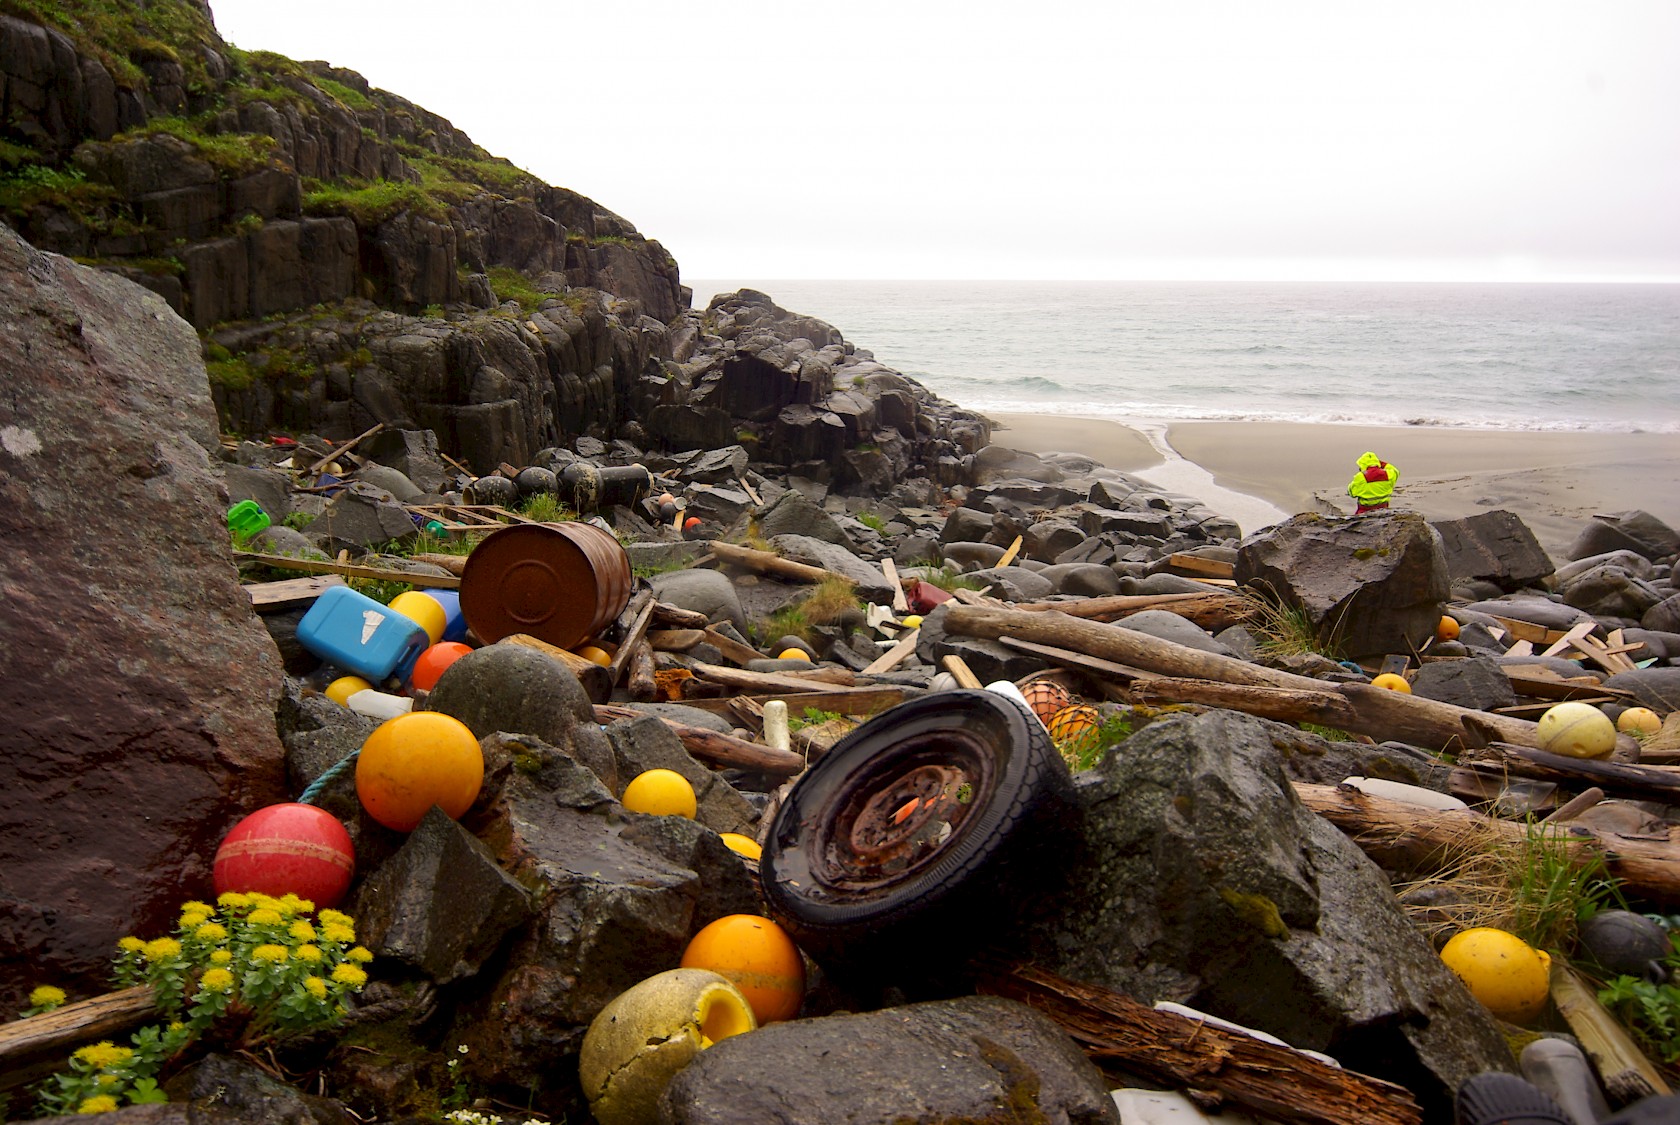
(661, 793)
(742, 845)
(595, 655)
(1637, 721)
(914, 621)
(1446, 629)
(415, 761)
(1392, 682)
(644, 1037)
(1577, 730)
(1511, 978)
(757, 957)
(341, 689)
(794, 654)
(426, 612)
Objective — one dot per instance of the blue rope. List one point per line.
(338, 770)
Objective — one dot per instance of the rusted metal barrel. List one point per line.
(559, 582)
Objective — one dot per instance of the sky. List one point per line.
(1122, 139)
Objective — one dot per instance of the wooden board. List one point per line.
(289, 593)
(322, 566)
(890, 659)
(1528, 631)
(858, 701)
(469, 518)
(900, 603)
(1579, 630)
(1196, 566)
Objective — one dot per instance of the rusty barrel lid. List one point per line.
(559, 582)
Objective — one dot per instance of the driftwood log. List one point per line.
(1638, 783)
(817, 679)
(765, 562)
(1414, 840)
(1210, 611)
(32, 1048)
(713, 746)
(1373, 711)
(1276, 1082)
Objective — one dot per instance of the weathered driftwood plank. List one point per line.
(1628, 1075)
(714, 746)
(895, 655)
(764, 562)
(1180, 1052)
(1327, 708)
(675, 617)
(31, 1048)
(597, 683)
(858, 702)
(817, 679)
(731, 648)
(640, 613)
(1414, 840)
(323, 566)
(289, 593)
(639, 681)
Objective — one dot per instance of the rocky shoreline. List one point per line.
(1187, 859)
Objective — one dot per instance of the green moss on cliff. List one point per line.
(347, 96)
(370, 204)
(235, 154)
(124, 35)
(511, 285)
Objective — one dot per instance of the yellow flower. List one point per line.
(269, 952)
(349, 974)
(108, 1079)
(292, 904)
(46, 996)
(265, 902)
(103, 1054)
(310, 953)
(162, 949)
(233, 900)
(221, 957)
(211, 932)
(193, 906)
(359, 955)
(301, 931)
(336, 918)
(99, 1103)
(342, 934)
(264, 916)
(131, 945)
(216, 980)
(193, 921)
(316, 987)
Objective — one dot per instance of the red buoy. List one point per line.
(287, 849)
(429, 665)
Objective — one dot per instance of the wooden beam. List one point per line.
(722, 749)
(1078, 660)
(34, 1047)
(1200, 567)
(765, 562)
(959, 668)
(1639, 783)
(1009, 556)
(341, 450)
(289, 593)
(731, 648)
(640, 610)
(1628, 1075)
(894, 656)
(323, 566)
(818, 679)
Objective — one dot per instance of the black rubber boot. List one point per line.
(1505, 1099)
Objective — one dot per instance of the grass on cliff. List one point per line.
(370, 204)
(236, 154)
(511, 285)
(122, 34)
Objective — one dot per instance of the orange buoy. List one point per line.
(1046, 697)
(415, 761)
(757, 957)
(432, 663)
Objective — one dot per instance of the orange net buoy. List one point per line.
(1046, 697)
(1075, 730)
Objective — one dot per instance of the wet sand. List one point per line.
(1554, 481)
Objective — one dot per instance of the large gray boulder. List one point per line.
(1371, 584)
(1492, 547)
(137, 686)
(1656, 688)
(871, 584)
(976, 1058)
(1637, 531)
(1200, 878)
(1609, 590)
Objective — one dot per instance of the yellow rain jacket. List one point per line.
(1374, 483)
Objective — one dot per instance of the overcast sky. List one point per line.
(765, 139)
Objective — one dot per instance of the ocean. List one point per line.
(1488, 356)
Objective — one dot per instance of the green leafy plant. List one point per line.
(1650, 1011)
(948, 578)
(297, 521)
(812, 717)
(43, 998)
(245, 974)
(872, 521)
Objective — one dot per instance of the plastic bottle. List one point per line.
(1558, 1067)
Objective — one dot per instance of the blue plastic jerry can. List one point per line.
(356, 633)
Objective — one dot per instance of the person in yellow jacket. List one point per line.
(1373, 484)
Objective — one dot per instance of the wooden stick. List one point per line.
(1009, 556)
(959, 668)
(289, 593)
(895, 655)
(731, 648)
(640, 610)
(1639, 783)
(724, 749)
(749, 490)
(339, 451)
(1278, 1083)
(640, 683)
(859, 702)
(31, 1048)
(674, 640)
(1628, 1075)
(816, 679)
(1068, 658)
(1576, 805)
(1118, 604)
(596, 683)
(764, 562)
(1328, 708)
(458, 465)
(454, 564)
(322, 566)
(675, 617)
(1580, 629)
(900, 603)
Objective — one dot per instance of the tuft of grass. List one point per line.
(813, 717)
(545, 507)
(829, 599)
(235, 154)
(1286, 630)
(789, 621)
(511, 285)
(371, 203)
(948, 579)
(348, 96)
(872, 521)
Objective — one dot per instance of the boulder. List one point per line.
(1492, 547)
(360, 517)
(1608, 590)
(1014, 583)
(1200, 878)
(1533, 609)
(1656, 688)
(871, 584)
(413, 453)
(1169, 626)
(1370, 584)
(1664, 617)
(793, 514)
(1478, 683)
(138, 687)
(703, 591)
(648, 744)
(1086, 580)
(945, 1060)
(1636, 531)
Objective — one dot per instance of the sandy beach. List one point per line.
(1554, 481)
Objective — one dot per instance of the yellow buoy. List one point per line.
(742, 845)
(1637, 721)
(914, 621)
(1392, 682)
(661, 793)
(1511, 978)
(1577, 730)
(640, 1040)
(1446, 629)
(426, 612)
(341, 689)
(595, 655)
(794, 654)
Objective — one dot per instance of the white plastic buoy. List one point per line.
(379, 705)
(776, 725)
(1008, 689)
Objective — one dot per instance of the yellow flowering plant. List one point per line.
(242, 974)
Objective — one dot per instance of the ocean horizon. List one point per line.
(1542, 356)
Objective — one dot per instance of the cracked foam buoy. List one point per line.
(642, 1039)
